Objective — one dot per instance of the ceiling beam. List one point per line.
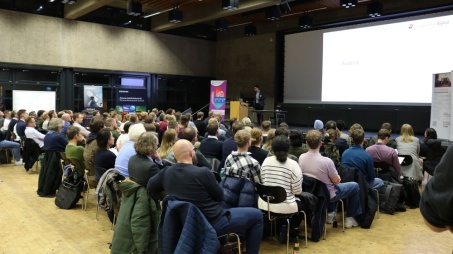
(159, 23)
(81, 8)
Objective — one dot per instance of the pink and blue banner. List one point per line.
(218, 97)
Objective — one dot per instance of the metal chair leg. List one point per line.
(377, 195)
(342, 211)
(305, 225)
(287, 236)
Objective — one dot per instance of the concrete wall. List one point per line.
(245, 62)
(40, 40)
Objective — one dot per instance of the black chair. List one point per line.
(275, 195)
(407, 160)
(381, 167)
(81, 169)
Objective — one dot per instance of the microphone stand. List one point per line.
(201, 109)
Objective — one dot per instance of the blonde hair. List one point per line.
(135, 131)
(256, 136)
(270, 137)
(168, 140)
(246, 120)
(241, 138)
(407, 133)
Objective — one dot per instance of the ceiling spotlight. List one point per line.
(39, 8)
(68, 1)
(250, 30)
(221, 25)
(305, 21)
(134, 8)
(348, 3)
(375, 9)
(273, 13)
(230, 5)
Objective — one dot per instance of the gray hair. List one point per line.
(55, 123)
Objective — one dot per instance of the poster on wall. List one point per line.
(130, 100)
(441, 105)
(218, 97)
(92, 98)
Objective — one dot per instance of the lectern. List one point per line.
(238, 110)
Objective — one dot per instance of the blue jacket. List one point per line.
(184, 229)
(238, 192)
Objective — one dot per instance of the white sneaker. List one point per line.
(330, 217)
(18, 163)
(350, 222)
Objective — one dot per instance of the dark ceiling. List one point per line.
(199, 16)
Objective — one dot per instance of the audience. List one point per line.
(54, 140)
(239, 163)
(128, 150)
(73, 151)
(104, 159)
(391, 142)
(200, 124)
(277, 170)
(211, 147)
(430, 150)
(313, 164)
(265, 127)
(381, 153)
(357, 157)
(78, 120)
(407, 144)
(255, 149)
(168, 140)
(31, 132)
(296, 141)
(270, 136)
(197, 185)
(146, 162)
(329, 148)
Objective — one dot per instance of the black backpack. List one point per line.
(389, 194)
(412, 193)
(70, 190)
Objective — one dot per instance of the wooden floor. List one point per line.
(30, 224)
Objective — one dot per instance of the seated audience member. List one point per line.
(265, 127)
(340, 143)
(173, 125)
(110, 124)
(229, 145)
(11, 125)
(313, 164)
(146, 162)
(211, 147)
(133, 119)
(91, 145)
(168, 140)
(357, 157)
(54, 140)
(277, 170)
(380, 152)
(197, 185)
(67, 122)
(239, 163)
(229, 133)
(221, 133)
(437, 197)
(13, 145)
(329, 149)
(430, 150)
(247, 122)
(183, 125)
(200, 124)
(31, 132)
(104, 159)
(123, 138)
(21, 125)
(190, 134)
(78, 120)
(407, 144)
(73, 151)
(45, 117)
(391, 143)
(296, 140)
(128, 150)
(210, 115)
(319, 125)
(7, 119)
(255, 149)
(340, 126)
(150, 127)
(270, 136)
(282, 131)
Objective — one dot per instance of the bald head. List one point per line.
(66, 117)
(184, 152)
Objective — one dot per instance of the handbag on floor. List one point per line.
(70, 190)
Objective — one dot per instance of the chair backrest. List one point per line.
(90, 167)
(271, 194)
(381, 165)
(407, 160)
(77, 165)
(214, 162)
(66, 161)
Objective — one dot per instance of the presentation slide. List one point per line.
(388, 62)
(34, 100)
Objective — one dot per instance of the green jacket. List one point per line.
(138, 221)
(330, 150)
(297, 151)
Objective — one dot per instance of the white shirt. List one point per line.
(5, 124)
(37, 136)
(82, 130)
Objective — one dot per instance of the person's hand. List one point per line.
(155, 156)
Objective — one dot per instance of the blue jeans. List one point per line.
(349, 193)
(242, 220)
(15, 146)
(376, 183)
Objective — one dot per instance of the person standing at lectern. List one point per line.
(259, 103)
